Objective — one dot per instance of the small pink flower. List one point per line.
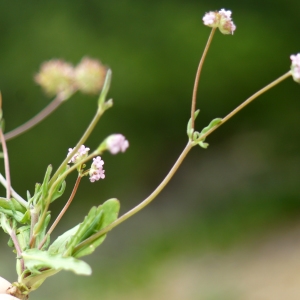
(221, 19)
(81, 153)
(210, 19)
(295, 67)
(116, 143)
(96, 172)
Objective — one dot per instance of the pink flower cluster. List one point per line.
(295, 67)
(81, 153)
(117, 143)
(221, 19)
(97, 171)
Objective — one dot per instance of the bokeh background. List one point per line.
(228, 224)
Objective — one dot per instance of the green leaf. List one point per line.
(12, 208)
(59, 191)
(211, 125)
(23, 235)
(35, 260)
(26, 218)
(41, 233)
(97, 218)
(5, 224)
(37, 192)
(189, 126)
(203, 145)
(32, 282)
(45, 183)
(105, 88)
(6, 204)
(88, 225)
(60, 244)
(110, 210)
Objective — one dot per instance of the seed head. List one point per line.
(89, 76)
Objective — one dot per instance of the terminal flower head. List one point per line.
(90, 76)
(79, 155)
(55, 76)
(221, 19)
(295, 67)
(116, 143)
(97, 172)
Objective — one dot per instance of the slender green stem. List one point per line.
(84, 137)
(61, 213)
(245, 103)
(54, 104)
(194, 98)
(144, 203)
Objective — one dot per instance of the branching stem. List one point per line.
(184, 153)
(246, 102)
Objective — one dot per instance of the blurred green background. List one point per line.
(227, 226)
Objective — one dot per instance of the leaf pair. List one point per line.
(196, 136)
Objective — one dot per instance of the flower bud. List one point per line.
(221, 19)
(56, 76)
(295, 67)
(89, 76)
(116, 143)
